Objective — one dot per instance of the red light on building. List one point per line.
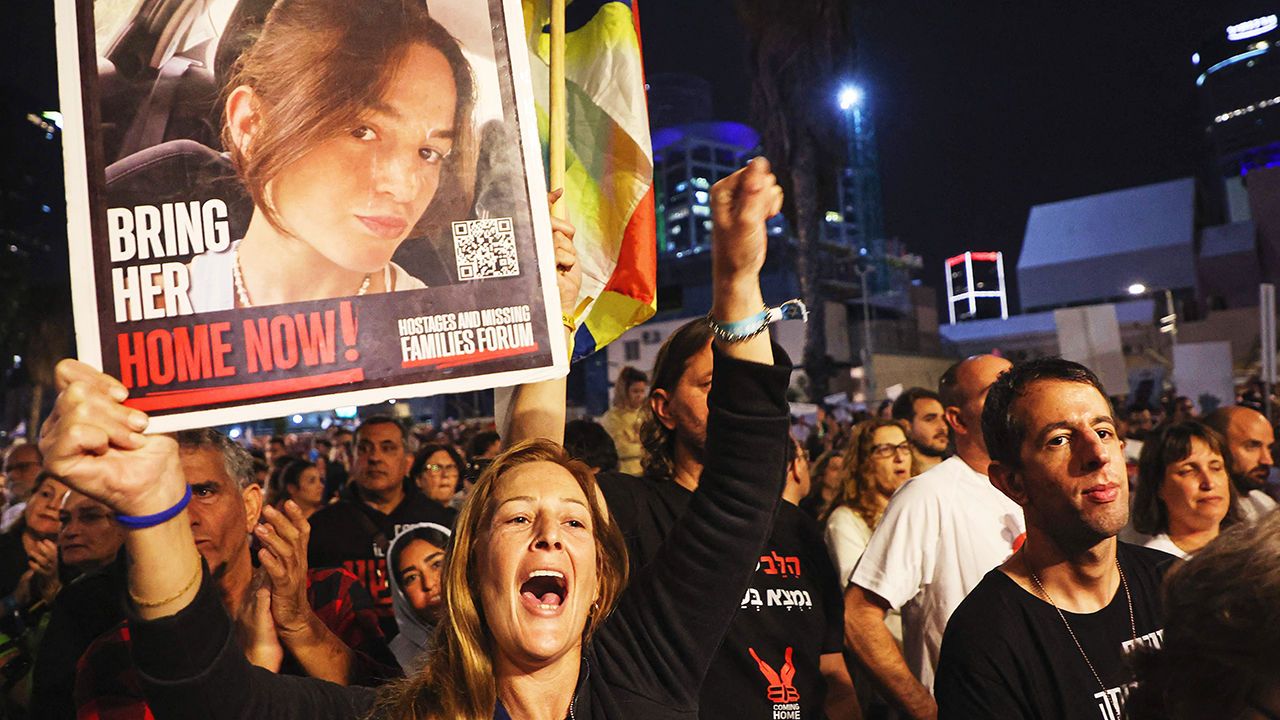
(975, 287)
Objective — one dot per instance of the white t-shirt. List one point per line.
(847, 536)
(1254, 505)
(942, 532)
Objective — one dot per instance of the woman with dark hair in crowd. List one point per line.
(828, 470)
(591, 443)
(348, 124)
(537, 624)
(1185, 495)
(29, 551)
(415, 560)
(299, 481)
(436, 471)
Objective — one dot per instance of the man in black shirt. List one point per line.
(355, 531)
(1045, 635)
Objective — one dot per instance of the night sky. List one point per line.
(983, 109)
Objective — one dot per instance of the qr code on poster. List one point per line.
(485, 249)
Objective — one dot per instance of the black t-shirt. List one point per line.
(1007, 654)
(352, 535)
(768, 665)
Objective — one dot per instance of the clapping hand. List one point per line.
(284, 537)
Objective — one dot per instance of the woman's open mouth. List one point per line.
(544, 592)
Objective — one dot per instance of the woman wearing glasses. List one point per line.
(877, 461)
(436, 470)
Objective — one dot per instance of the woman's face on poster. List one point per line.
(354, 198)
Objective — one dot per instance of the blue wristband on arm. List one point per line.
(140, 522)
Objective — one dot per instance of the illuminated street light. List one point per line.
(1137, 289)
(850, 96)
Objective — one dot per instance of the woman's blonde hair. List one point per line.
(859, 490)
(458, 678)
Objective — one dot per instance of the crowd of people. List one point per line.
(1014, 543)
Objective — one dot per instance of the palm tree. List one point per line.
(797, 54)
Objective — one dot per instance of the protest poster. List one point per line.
(287, 206)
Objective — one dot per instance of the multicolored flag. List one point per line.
(609, 165)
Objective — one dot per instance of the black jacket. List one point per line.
(649, 658)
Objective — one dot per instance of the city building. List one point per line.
(1145, 254)
(1091, 249)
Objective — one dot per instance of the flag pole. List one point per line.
(559, 109)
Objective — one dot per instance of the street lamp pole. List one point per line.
(1171, 316)
(1168, 323)
(868, 376)
(850, 99)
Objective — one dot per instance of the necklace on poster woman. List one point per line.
(242, 294)
(1133, 626)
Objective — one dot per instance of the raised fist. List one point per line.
(95, 445)
(740, 205)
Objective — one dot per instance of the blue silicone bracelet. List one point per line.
(139, 522)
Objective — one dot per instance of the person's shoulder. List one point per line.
(626, 488)
(939, 480)
(417, 507)
(114, 643)
(792, 519)
(402, 280)
(1263, 501)
(333, 591)
(338, 513)
(926, 492)
(213, 282)
(333, 511)
(845, 518)
(987, 612)
(1136, 558)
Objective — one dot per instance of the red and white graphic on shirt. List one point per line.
(781, 689)
(775, 564)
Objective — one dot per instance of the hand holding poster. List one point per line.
(281, 207)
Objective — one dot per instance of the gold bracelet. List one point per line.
(190, 584)
(568, 322)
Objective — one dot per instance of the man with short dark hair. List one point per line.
(276, 451)
(942, 531)
(355, 531)
(1045, 635)
(926, 427)
(1249, 440)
